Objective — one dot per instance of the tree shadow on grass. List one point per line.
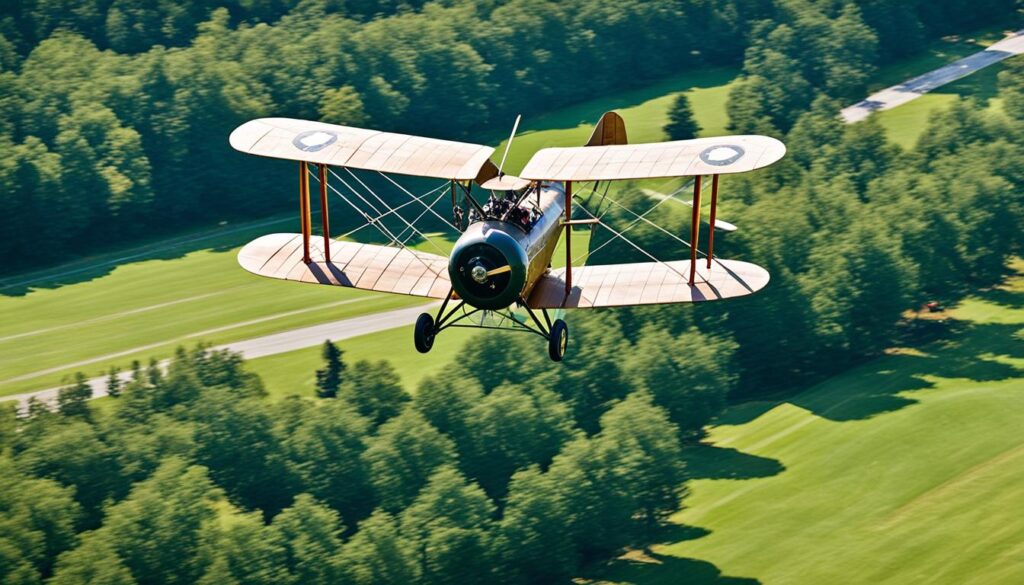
(705, 461)
(658, 569)
(977, 354)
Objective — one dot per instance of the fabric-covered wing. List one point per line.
(358, 148)
(702, 156)
(647, 283)
(364, 266)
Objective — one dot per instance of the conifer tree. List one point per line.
(328, 378)
(681, 125)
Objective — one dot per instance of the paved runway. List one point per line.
(914, 88)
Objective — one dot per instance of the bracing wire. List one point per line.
(630, 242)
(395, 210)
(382, 202)
(379, 225)
(406, 191)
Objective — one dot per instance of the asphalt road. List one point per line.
(914, 88)
(272, 344)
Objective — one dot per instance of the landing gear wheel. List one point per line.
(423, 333)
(558, 340)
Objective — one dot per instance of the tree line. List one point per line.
(114, 118)
(191, 475)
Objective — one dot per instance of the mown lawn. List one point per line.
(107, 315)
(905, 470)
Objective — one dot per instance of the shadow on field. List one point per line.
(653, 569)
(704, 461)
(877, 388)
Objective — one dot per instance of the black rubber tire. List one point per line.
(558, 341)
(423, 333)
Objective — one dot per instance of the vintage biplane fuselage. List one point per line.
(502, 258)
(495, 263)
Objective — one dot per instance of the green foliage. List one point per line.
(402, 457)
(1011, 88)
(72, 400)
(246, 552)
(74, 454)
(534, 541)
(378, 555)
(324, 452)
(510, 429)
(235, 439)
(449, 527)
(311, 535)
(689, 375)
(94, 563)
(37, 522)
(374, 389)
(681, 125)
(328, 379)
(158, 530)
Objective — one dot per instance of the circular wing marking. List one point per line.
(721, 155)
(314, 140)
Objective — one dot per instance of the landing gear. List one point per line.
(558, 340)
(555, 332)
(424, 332)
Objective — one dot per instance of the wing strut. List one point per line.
(695, 227)
(322, 171)
(304, 208)
(714, 208)
(568, 237)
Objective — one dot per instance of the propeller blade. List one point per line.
(499, 270)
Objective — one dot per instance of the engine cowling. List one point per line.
(488, 266)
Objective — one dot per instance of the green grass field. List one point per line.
(907, 469)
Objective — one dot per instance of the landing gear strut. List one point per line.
(555, 332)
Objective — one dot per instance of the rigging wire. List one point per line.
(406, 191)
(379, 225)
(631, 243)
(382, 202)
(394, 210)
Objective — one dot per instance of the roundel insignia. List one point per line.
(721, 155)
(314, 140)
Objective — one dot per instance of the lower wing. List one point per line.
(363, 266)
(647, 283)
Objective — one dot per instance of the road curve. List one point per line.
(902, 93)
(272, 344)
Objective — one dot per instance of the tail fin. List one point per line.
(610, 129)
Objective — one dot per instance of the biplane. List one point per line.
(501, 263)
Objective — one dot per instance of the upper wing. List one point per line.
(647, 283)
(358, 148)
(702, 156)
(363, 266)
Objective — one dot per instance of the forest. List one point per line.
(114, 117)
(503, 469)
